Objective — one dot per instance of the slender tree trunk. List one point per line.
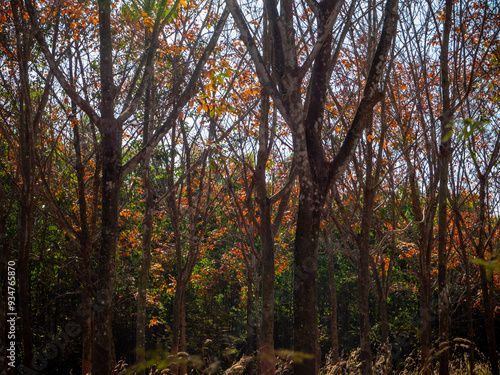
(147, 233)
(23, 273)
(180, 283)
(444, 160)
(470, 322)
(89, 278)
(84, 240)
(266, 337)
(470, 307)
(425, 314)
(27, 137)
(179, 326)
(144, 274)
(86, 307)
(87, 330)
(182, 342)
(333, 299)
(490, 321)
(250, 305)
(180, 290)
(444, 308)
(185, 267)
(256, 303)
(364, 277)
(384, 321)
(267, 363)
(425, 250)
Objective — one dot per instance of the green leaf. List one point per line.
(447, 136)
(471, 126)
(490, 265)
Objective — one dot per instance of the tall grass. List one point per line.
(459, 365)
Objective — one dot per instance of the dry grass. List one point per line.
(350, 365)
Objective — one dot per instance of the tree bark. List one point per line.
(27, 139)
(85, 249)
(425, 231)
(182, 341)
(364, 277)
(84, 238)
(470, 306)
(333, 299)
(305, 300)
(250, 305)
(425, 250)
(365, 258)
(266, 338)
(444, 160)
(267, 362)
(180, 292)
(147, 233)
(103, 356)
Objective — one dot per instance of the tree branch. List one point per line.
(183, 100)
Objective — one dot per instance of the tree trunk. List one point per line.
(470, 306)
(470, 324)
(364, 278)
(333, 299)
(182, 342)
(85, 242)
(485, 283)
(143, 277)
(256, 303)
(250, 305)
(103, 355)
(87, 330)
(425, 244)
(444, 160)
(180, 290)
(147, 233)
(490, 321)
(384, 319)
(267, 363)
(444, 307)
(266, 337)
(23, 273)
(305, 299)
(27, 136)
(425, 311)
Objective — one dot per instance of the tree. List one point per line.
(476, 225)
(26, 114)
(111, 127)
(305, 119)
(149, 206)
(443, 161)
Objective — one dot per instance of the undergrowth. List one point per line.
(349, 364)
